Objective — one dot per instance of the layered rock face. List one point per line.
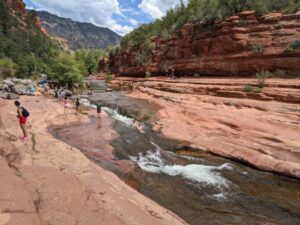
(240, 45)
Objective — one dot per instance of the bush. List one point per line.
(261, 78)
(7, 68)
(137, 85)
(293, 46)
(279, 73)
(257, 48)
(147, 74)
(258, 90)
(247, 88)
(108, 77)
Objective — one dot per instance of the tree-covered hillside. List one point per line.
(25, 51)
(205, 11)
(22, 44)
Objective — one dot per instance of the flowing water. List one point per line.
(200, 188)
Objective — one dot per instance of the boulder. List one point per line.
(4, 87)
(4, 95)
(20, 90)
(27, 82)
(68, 92)
(9, 82)
(13, 96)
(16, 80)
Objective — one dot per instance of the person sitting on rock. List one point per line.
(22, 114)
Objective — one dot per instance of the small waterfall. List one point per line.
(196, 174)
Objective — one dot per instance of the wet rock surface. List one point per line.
(46, 181)
(216, 115)
(199, 187)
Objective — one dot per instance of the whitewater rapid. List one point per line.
(205, 175)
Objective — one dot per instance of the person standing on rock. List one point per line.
(66, 106)
(99, 107)
(22, 114)
(77, 105)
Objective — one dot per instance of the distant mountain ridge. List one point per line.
(77, 34)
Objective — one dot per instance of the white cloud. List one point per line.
(100, 12)
(134, 22)
(158, 8)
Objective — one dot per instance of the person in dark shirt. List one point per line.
(99, 107)
(77, 106)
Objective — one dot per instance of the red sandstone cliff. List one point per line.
(17, 6)
(240, 45)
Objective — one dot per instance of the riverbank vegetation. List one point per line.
(26, 52)
(204, 11)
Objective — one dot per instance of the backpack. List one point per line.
(25, 113)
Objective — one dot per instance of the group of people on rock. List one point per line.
(62, 96)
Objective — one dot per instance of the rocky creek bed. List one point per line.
(199, 187)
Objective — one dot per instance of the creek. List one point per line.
(201, 188)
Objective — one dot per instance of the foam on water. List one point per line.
(86, 103)
(113, 112)
(152, 162)
(117, 116)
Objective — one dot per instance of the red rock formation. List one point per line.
(16, 5)
(37, 22)
(240, 45)
(102, 65)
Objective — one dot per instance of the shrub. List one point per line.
(242, 23)
(258, 90)
(247, 88)
(258, 48)
(7, 68)
(293, 46)
(137, 85)
(261, 78)
(279, 73)
(147, 74)
(108, 77)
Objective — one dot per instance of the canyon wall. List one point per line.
(240, 45)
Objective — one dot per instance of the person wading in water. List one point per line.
(99, 106)
(22, 114)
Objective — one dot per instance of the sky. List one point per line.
(121, 16)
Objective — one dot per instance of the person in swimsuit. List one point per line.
(66, 106)
(22, 120)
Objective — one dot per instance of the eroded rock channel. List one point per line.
(199, 187)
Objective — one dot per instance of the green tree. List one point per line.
(7, 68)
